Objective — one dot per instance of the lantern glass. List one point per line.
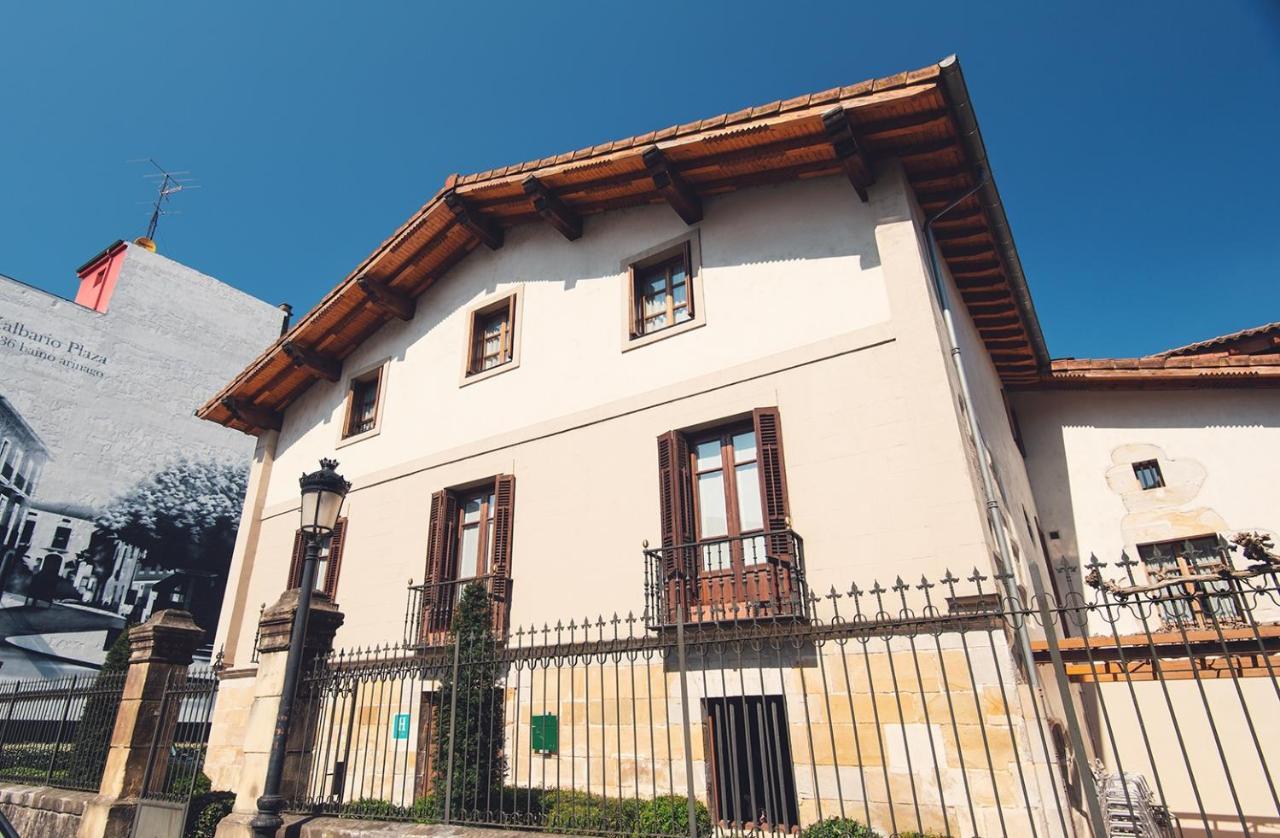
(322, 494)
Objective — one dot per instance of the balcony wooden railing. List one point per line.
(430, 608)
(747, 577)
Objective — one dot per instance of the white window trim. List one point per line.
(379, 409)
(517, 335)
(699, 319)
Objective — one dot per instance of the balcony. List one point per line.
(742, 578)
(429, 611)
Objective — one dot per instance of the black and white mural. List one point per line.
(115, 500)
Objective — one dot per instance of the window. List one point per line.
(328, 561)
(362, 404)
(5, 469)
(492, 336)
(661, 292)
(1197, 604)
(752, 775)
(727, 497)
(1148, 474)
(61, 537)
(469, 540)
(725, 521)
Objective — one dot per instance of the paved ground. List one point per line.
(21, 619)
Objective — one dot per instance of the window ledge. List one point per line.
(350, 440)
(472, 378)
(671, 331)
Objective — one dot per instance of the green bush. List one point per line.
(668, 816)
(579, 812)
(371, 808)
(840, 828)
(206, 811)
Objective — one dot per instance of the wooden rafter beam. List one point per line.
(482, 228)
(682, 197)
(386, 298)
(848, 150)
(553, 210)
(252, 415)
(325, 366)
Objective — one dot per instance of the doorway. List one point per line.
(753, 782)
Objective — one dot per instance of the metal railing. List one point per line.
(738, 578)
(180, 738)
(57, 732)
(430, 607)
(909, 707)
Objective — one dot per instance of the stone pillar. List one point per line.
(160, 646)
(273, 648)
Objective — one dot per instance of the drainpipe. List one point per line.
(989, 493)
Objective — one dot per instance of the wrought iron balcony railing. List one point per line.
(747, 577)
(431, 605)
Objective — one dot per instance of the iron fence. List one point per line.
(973, 706)
(180, 739)
(57, 732)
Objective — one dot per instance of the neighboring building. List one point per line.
(725, 339)
(23, 455)
(111, 381)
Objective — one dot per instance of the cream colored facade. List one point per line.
(814, 303)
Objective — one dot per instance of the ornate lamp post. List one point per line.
(322, 494)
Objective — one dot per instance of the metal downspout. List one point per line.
(971, 415)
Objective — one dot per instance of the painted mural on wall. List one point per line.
(115, 501)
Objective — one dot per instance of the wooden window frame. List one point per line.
(1194, 592)
(512, 302)
(377, 372)
(333, 562)
(667, 264)
(686, 248)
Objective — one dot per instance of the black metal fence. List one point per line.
(180, 739)
(976, 706)
(57, 732)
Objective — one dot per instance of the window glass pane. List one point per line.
(744, 447)
(677, 274)
(655, 305)
(652, 323)
(468, 552)
(753, 551)
(750, 514)
(707, 454)
(682, 314)
(680, 293)
(654, 284)
(718, 556)
(712, 518)
(471, 510)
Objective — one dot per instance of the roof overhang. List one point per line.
(1160, 372)
(922, 118)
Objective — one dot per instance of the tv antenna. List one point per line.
(167, 184)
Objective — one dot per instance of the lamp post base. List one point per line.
(267, 822)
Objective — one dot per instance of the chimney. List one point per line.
(98, 277)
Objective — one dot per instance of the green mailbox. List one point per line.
(544, 734)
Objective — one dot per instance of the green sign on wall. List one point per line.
(544, 734)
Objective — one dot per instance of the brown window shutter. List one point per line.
(441, 536)
(337, 543)
(504, 500)
(675, 486)
(295, 563)
(441, 544)
(773, 477)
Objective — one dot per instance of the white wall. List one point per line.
(815, 303)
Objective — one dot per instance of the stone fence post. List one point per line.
(273, 648)
(163, 644)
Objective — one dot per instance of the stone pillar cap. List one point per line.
(170, 636)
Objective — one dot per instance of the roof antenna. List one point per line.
(167, 184)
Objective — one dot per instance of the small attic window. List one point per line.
(1148, 474)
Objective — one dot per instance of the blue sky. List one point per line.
(1134, 143)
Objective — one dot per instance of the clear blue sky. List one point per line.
(1134, 143)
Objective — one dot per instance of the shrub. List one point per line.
(372, 808)
(840, 828)
(577, 812)
(668, 815)
(206, 811)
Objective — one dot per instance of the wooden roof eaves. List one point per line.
(674, 140)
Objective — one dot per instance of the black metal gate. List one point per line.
(174, 786)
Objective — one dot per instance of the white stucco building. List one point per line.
(707, 339)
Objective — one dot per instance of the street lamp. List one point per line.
(322, 494)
